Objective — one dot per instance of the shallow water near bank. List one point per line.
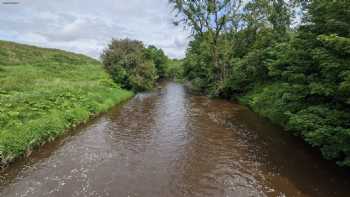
(171, 143)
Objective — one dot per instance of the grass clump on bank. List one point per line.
(45, 91)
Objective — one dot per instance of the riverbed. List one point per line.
(171, 143)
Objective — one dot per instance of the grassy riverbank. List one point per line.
(43, 92)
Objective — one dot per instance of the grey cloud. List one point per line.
(87, 26)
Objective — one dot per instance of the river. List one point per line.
(170, 143)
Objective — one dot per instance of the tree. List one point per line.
(159, 58)
(210, 19)
(317, 62)
(129, 65)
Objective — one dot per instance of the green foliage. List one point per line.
(245, 72)
(326, 128)
(197, 65)
(298, 78)
(132, 65)
(275, 101)
(174, 70)
(160, 60)
(43, 92)
(328, 17)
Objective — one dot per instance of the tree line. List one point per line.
(289, 60)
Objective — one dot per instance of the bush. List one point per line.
(130, 65)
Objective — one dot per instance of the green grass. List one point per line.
(43, 92)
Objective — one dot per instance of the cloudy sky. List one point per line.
(86, 26)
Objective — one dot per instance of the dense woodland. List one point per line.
(287, 60)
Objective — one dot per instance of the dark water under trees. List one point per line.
(171, 143)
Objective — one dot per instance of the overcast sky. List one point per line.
(86, 26)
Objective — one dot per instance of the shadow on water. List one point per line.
(172, 143)
(288, 165)
(297, 164)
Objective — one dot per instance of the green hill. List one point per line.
(45, 91)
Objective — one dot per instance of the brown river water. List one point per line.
(170, 143)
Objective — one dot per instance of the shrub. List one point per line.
(129, 65)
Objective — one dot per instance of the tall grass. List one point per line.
(44, 91)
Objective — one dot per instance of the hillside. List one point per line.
(45, 91)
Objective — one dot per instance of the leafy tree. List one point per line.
(319, 61)
(129, 65)
(209, 19)
(248, 30)
(159, 58)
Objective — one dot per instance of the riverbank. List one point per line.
(43, 92)
(184, 144)
(318, 125)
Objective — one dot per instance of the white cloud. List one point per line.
(87, 26)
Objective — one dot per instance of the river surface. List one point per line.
(170, 143)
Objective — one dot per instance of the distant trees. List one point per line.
(159, 58)
(299, 77)
(174, 70)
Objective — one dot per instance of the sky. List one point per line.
(87, 26)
